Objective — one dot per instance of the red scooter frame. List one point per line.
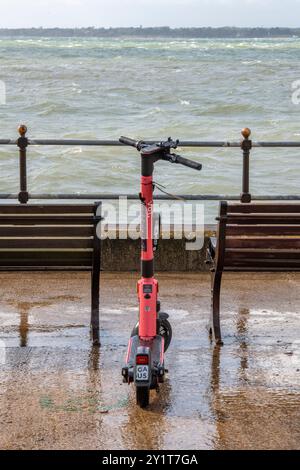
(152, 335)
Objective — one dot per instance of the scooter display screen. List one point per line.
(147, 289)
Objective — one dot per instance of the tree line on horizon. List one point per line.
(165, 31)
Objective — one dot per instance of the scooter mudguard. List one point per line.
(140, 353)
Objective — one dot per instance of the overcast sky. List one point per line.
(76, 13)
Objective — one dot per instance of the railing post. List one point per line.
(246, 146)
(22, 144)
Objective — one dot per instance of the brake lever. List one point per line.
(171, 157)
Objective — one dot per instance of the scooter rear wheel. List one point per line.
(142, 396)
(165, 330)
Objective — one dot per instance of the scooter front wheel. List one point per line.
(142, 396)
(165, 330)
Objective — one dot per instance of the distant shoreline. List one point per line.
(159, 32)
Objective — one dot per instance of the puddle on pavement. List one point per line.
(67, 394)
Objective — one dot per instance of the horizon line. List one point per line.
(149, 27)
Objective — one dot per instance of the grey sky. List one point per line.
(75, 13)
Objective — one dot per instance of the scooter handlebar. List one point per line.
(128, 141)
(164, 149)
(185, 161)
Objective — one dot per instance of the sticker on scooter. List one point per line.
(147, 288)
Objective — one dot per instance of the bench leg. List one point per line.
(215, 327)
(95, 317)
(95, 314)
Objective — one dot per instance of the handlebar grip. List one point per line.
(188, 163)
(128, 141)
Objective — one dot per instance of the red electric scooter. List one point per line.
(151, 337)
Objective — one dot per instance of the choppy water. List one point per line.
(190, 89)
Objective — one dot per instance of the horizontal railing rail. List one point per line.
(116, 143)
(158, 197)
(246, 145)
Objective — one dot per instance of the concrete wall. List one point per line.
(124, 255)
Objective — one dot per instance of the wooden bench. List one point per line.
(56, 237)
(252, 237)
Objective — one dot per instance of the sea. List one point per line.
(189, 89)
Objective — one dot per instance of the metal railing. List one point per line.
(246, 145)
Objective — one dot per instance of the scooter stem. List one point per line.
(147, 257)
(148, 285)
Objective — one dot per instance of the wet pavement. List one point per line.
(58, 392)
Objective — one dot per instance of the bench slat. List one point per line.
(259, 242)
(46, 209)
(45, 243)
(46, 231)
(264, 208)
(26, 266)
(46, 220)
(252, 230)
(285, 263)
(46, 254)
(59, 261)
(254, 269)
(45, 268)
(263, 219)
(242, 254)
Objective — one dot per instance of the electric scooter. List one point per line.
(151, 337)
